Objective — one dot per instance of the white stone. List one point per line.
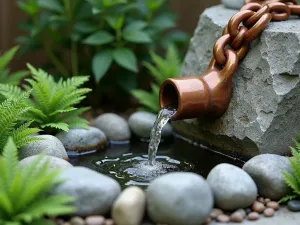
(54, 162)
(233, 4)
(129, 208)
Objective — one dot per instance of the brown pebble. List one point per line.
(273, 205)
(267, 200)
(253, 216)
(109, 222)
(215, 213)
(77, 221)
(237, 217)
(269, 212)
(59, 222)
(66, 223)
(95, 220)
(223, 218)
(261, 200)
(258, 207)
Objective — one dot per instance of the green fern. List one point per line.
(162, 69)
(293, 180)
(5, 76)
(52, 103)
(24, 193)
(11, 113)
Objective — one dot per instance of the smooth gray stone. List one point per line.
(115, 127)
(179, 198)
(81, 140)
(48, 144)
(232, 187)
(94, 192)
(266, 170)
(233, 4)
(54, 162)
(294, 205)
(141, 124)
(263, 114)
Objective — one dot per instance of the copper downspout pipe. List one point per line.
(210, 93)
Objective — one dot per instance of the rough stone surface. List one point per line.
(94, 192)
(232, 187)
(179, 198)
(233, 4)
(129, 208)
(48, 144)
(266, 171)
(81, 140)
(141, 124)
(283, 216)
(115, 127)
(263, 113)
(54, 162)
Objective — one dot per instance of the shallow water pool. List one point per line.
(129, 166)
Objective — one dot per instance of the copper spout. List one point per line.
(208, 94)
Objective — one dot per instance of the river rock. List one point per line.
(54, 162)
(266, 171)
(232, 187)
(48, 144)
(82, 140)
(129, 208)
(94, 192)
(115, 127)
(179, 198)
(233, 4)
(266, 89)
(141, 124)
(294, 205)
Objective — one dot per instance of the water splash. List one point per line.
(162, 119)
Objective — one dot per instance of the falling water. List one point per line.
(162, 119)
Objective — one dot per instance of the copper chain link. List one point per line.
(245, 26)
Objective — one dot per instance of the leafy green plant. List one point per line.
(52, 103)
(24, 193)
(293, 179)
(163, 68)
(99, 37)
(5, 76)
(11, 123)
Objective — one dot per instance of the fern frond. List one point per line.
(287, 198)
(60, 126)
(24, 194)
(291, 182)
(7, 57)
(147, 99)
(10, 91)
(22, 135)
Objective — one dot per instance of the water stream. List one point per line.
(162, 119)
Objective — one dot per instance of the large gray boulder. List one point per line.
(263, 113)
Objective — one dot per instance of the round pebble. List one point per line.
(66, 223)
(223, 218)
(294, 205)
(267, 200)
(261, 200)
(215, 213)
(269, 212)
(77, 221)
(95, 220)
(273, 205)
(258, 207)
(236, 217)
(253, 216)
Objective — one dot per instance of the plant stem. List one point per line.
(59, 66)
(74, 58)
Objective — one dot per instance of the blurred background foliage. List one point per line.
(112, 41)
(107, 39)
